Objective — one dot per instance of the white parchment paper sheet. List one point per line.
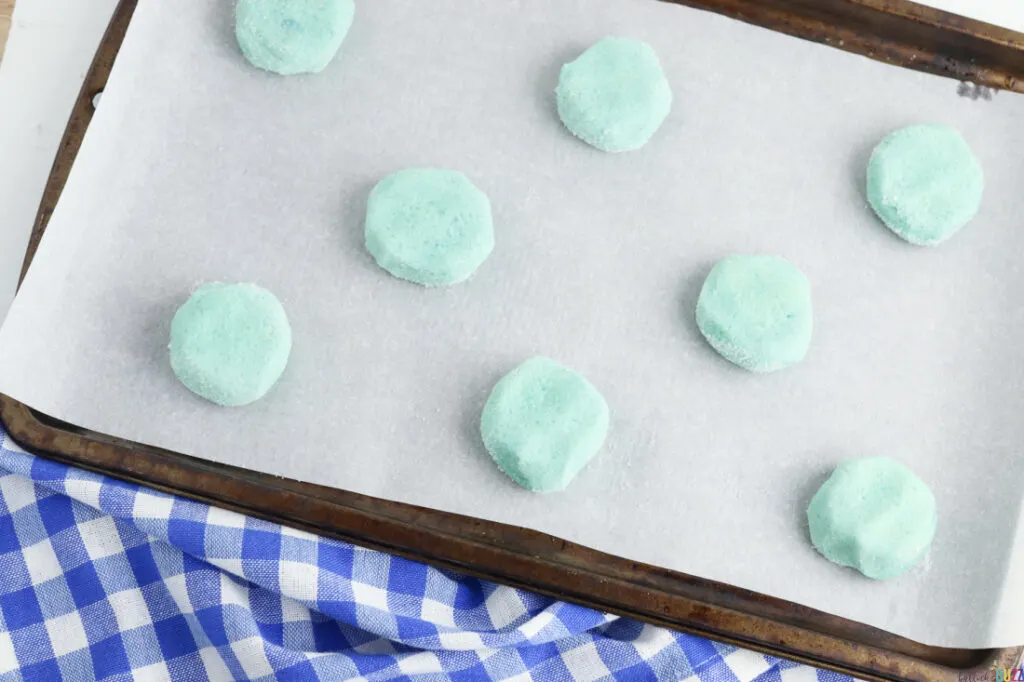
(199, 167)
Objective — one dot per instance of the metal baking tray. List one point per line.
(895, 31)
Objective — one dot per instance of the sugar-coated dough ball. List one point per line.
(925, 183)
(543, 423)
(292, 36)
(230, 343)
(875, 515)
(432, 227)
(615, 95)
(756, 312)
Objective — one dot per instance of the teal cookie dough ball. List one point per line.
(615, 95)
(756, 312)
(925, 183)
(429, 226)
(542, 423)
(875, 515)
(230, 343)
(288, 37)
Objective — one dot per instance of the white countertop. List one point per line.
(1008, 13)
(48, 53)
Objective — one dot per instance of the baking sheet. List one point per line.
(199, 167)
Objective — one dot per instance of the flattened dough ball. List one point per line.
(615, 95)
(925, 183)
(756, 312)
(543, 423)
(875, 515)
(288, 37)
(230, 343)
(432, 227)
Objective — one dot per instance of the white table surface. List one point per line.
(1008, 13)
(51, 45)
(48, 53)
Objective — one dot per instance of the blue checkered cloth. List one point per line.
(102, 580)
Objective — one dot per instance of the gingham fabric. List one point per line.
(102, 580)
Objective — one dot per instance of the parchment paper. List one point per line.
(199, 167)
